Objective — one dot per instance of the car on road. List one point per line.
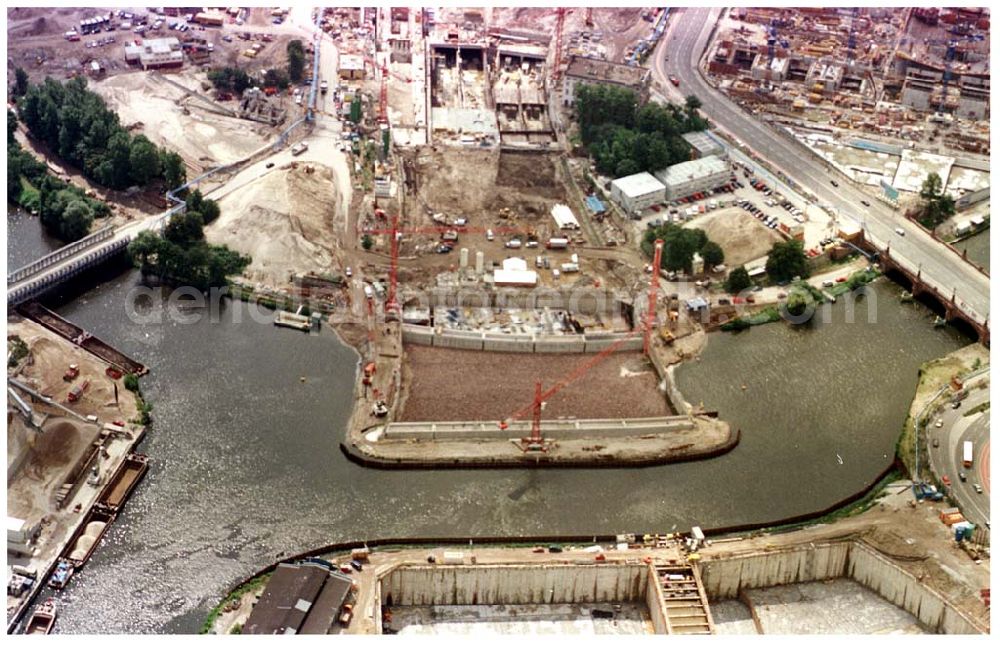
(956, 404)
(962, 476)
(978, 488)
(269, 165)
(946, 481)
(900, 232)
(676, 81)
(834, 182)
(865, 202)
(939, 423)
(936, 443)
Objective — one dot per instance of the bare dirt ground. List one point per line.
(445, 384)
(202, 138)
(741, 237)
(284, 221)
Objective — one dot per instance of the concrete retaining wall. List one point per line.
(901, 588)
(728, 577)
(514, 584)
(555, 429)
(582, 301)
(526, 343)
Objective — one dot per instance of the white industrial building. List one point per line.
(635, 193)
(564, 218)
(515, 273)
(155, 52)
(695, 176)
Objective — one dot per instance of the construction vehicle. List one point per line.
(71, 373)
(369, 373)
(380, 409)
(77, 391)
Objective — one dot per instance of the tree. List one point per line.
(209, 211)
(937, 207)
(174, 170)
(184, 229)
(786, 261)
(712, 254)
(296, 60)
(76, 220)
(931, 188)
(144, 161)
(20, 82)
(276, 78)
(366, 242)
(738, 280)
(11, 127)
(692, 103)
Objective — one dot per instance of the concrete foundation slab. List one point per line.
(544, 619)
(837, 606)
(731, 617)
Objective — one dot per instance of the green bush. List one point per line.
(131, 382)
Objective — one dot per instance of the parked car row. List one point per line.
(770, 221)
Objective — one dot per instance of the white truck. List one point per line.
(324, 86)
(300, 148)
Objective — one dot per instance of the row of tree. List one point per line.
(64, 209)
(182, 256)
(625, 138)
(76, 124)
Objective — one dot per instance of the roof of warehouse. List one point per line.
(287, 599)
(695, 168)
(638, 184)
(328, 604)
(700, 141)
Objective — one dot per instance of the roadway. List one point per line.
(946, 457)
(685, 41)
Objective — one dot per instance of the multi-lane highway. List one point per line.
(678, 55)
(945, 452)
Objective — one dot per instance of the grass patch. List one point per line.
(975, 410)
(250, 586)
(766, 315)
(17, 349)
(856, 280)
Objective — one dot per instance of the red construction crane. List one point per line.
(383, 99)
(535, 442)
(394, 231)
(654, 290)
(560, 17)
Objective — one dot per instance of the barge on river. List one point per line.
(124, 481)
(42, 619)
(89, 534)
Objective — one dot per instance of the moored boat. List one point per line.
(60, 577)
(42, 619)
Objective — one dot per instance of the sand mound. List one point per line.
(284, 221)
(202, 138)
(741, 237)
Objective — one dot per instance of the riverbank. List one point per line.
(55, 449)
(934, 375)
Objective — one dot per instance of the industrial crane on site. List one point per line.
(535, 441)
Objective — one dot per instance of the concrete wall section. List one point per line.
(508, 343)
(724, 579)
(514, 584)
(498, 342)
(555, 429)
(901, 588)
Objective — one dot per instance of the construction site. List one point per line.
(872, 91)
(854, 576)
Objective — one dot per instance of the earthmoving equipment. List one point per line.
(72, 372)
(369, 373)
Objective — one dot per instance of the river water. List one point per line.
(978, 248)
(246, 463)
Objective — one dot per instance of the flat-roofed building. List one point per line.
(155, 53)
(351, 67)
(702, 144)
(635, 193)
(695, 176)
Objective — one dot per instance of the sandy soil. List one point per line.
(202, 138)
(741, 237)
(447, 384)
(284, 221)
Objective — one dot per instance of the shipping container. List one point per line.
(557, 243)
(454, 558)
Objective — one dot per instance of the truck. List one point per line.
(300, 148)
(569, 267)
(967, 454)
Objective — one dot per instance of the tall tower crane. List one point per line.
(535, 441)
(560, 18)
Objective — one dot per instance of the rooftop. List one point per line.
(638, 184)
(701, 142)
(689, 170)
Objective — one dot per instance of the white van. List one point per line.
(489, 235)
(899, 231)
